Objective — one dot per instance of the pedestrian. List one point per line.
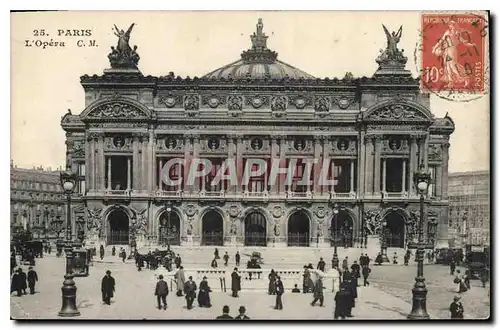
(235, 282)
(190, 292)
(342, 303)
(101, 251)
(406, 257)
(321, 265)
(13, 262)
(295, 289)
(23, 280)
(367, 260)
(180, 278)
(272, 282)
(318, 292)
(379, 260)
(16, 284)
(123, 255)
(467, 277)
(216, 254)
(366, 272)
(336, 279)
(345, 264)
(178, 261)
(456, 309)
(307, 283)
(107, 287)
(161, 292)
(484, 276)
(32, 279)
(355, 271)
(362, 260)
(452, 266)
(225, 314)
(204, 294)
(237, 258)
(226, 258)
(279, 292)
(395, 258)
(242, 315)
(214, 263)
(459, 281)
(113, 251)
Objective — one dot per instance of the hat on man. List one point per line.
(456, 298)
(160, 277)
(108, 272)
(204, 277)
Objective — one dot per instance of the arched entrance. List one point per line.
(118, 227)
(394, 230)
(298, 229)
(169, 229)
(212, 229)
(342, 229)
(255, 229)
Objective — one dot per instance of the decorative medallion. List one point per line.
(321, 212)
(213, 101)
(190, 210)
(299, 144)
(322, 104)
(277, 211)
(343, 102)
(234, 211)
(256, 144)
(169, 100)
(191, 102)
(213, 144)
(118, 142)
(343, 144)
(170, 143)
(257, 101)
(394, 144)
(235, 102)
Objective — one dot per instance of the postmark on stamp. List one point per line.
(454, 55)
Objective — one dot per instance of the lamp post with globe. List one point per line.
(335, 259)
(68, 309)
(419, 292)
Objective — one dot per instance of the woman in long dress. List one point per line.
(272, 282)
(204, 294)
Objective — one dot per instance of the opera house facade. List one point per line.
(365, 136)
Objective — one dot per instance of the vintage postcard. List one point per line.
(250, 165)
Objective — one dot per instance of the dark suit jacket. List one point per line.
(224, 317)
(244, 317)
(161, 288)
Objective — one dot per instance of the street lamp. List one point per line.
(68, 309)
(419, 291)
(169, 209)
(335, 259)
(383, 246)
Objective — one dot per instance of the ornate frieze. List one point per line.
(344, 145)
(191, 102)
(235, 102)
(343, 102)
(322, 104)
(396, 111)
(300, 145)
(119, 125)
(170, 100)
(372, 222)
(118, 143)
(169, 143)
(435, 152)
(257, 101)
(94, 222)
(116, 110)
(257, 145)
(300, 101)
(395, 145)
(278, 105)
(213, 145)
(76, 147)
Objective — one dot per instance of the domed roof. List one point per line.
(259, 62)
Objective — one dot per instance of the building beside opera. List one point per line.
(469, 218)
(36, 202)
(371, 132)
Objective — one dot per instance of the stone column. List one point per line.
(421, 150)
(384, 176)
(144, 162)
(403, 183)
(316, 167)
(101, 169)
(439, 175)
(352, 175)
(109, 174)
(282, 177)
(231, 157)
(413, 165)
(90, 162)
(187, 162)
(368, 166)
(426, 152)
(129, 174)
(159, 180)
(274, 155)
(360, 182)
(151, 160)
(239, 162)
(442, 229)
(135, 163)
(444, 173)
(376, 181)
(196, 152)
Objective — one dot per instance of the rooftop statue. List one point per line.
(123, 56)
(392, 56)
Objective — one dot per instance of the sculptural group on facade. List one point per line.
(392, 55)
(123, 55)
(94, 223)
(372, 222)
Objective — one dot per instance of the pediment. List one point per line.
(398, 111)
(116, 109)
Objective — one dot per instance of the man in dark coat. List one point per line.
(214, 263)
(318, 292)
(342, 302)
(279, 292)
(237, 258)
(355, 271)
(190, 292)
(226, 258)
(457, 309)
(32, 279)
(484, 276)
(178, 261)
(16, 284)
(107, 287)
(113, 251)
(23, 280)
(321, 265)
(13, 262)
(235, 282)
(366, 272)
(452, 266)
(225, 314)
(272, 283)
(123, 255)
(101, 251)
(204, 294)
(161, 292)
(345, 264)
(242, 315)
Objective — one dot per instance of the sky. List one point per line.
(45, 82)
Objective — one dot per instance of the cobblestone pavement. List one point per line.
(134, 298)
(398, 280)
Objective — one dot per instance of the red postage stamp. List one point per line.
(453, 52)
